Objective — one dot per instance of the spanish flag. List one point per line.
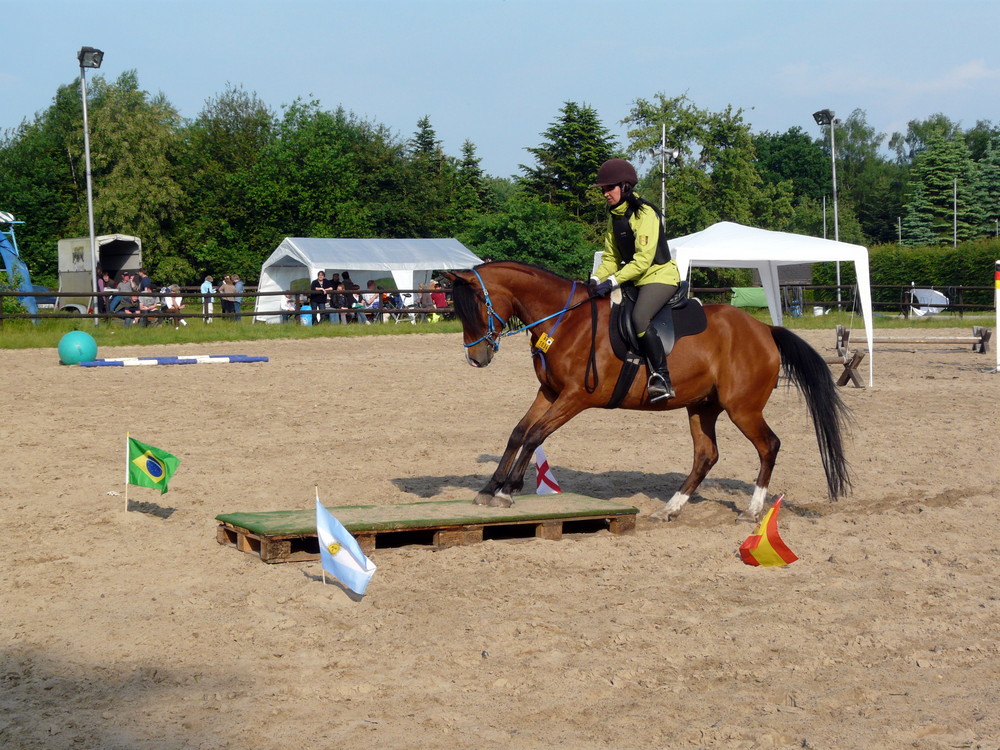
(764, 547)
(148, 466)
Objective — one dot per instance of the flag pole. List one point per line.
(127, 435)
(317, 540)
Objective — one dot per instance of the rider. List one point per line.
(635, 250)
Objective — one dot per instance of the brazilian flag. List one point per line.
(149, 466)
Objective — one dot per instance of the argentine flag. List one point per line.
(342, 557)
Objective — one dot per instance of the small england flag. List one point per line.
(545, 481)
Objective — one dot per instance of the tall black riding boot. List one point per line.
(658, 386)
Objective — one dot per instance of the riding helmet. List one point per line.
(616, 172)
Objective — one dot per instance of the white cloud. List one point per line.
(808, 79)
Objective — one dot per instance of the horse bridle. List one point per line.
(494, 336)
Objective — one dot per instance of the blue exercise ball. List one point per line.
(76, 347)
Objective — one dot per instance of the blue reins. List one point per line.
(494, 336)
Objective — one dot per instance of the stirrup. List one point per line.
(659, 388)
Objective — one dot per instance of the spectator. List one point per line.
(149, 302)
(103, 282)
(206, 301)
(227, 290)
(357, 303)
(129, 309)
(125, 290)
(288, 306)
(345, 279)
(142, 282)
(338, 301)
(174, 305)
(440, 300)
(318, 291)
(423, 301)
(238, 299)
(371, 299)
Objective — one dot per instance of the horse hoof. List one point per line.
(483, 498)
(746, 517)
(501, 500)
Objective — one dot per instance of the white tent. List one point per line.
(730, 245)
(409, 262)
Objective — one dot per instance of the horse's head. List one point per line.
(483, 311)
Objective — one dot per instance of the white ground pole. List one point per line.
(996, 304)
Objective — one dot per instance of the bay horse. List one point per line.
(731, 366)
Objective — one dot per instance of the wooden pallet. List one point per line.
(290, 535)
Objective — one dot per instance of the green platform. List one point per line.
(454, 522)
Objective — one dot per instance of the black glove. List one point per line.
(601, 290)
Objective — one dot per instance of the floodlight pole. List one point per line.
(674, 155)
(89, 58)
(827, 117)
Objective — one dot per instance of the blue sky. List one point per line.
(497, 71)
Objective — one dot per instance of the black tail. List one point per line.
(809, 371)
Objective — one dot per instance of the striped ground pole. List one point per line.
(198, 359)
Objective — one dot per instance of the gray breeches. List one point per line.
(651, 298)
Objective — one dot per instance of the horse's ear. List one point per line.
(456, 276)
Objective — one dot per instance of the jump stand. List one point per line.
(979, 340)
(290, 535)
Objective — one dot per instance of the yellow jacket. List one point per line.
(641, 270)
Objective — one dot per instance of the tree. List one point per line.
(989, 179)
(135, 144)
(873, 187)
(473, 192)
(793, 156)
(716, 177)
(425, 142)
(575, 145)
(42, 180)
(530, 230)
(432, 185)
(918, 134)
(309, 181)
(222, 148)
(980, 138)
(930, 211)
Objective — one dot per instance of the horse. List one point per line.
(732, 366)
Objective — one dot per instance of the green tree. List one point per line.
(793, 156)
(311, 180)
(135, 144)
(871, 185)
(931, 210)
(716, 177)
(989, 178)
(530, 230)
(918, 134)
(473, 192)
(980, 138)
(42, 180)
(566, 162)
(431, 200)
(222, 148)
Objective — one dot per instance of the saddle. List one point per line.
(679, 317)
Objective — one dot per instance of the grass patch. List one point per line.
(22, 334)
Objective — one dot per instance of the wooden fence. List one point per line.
(796, 299)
